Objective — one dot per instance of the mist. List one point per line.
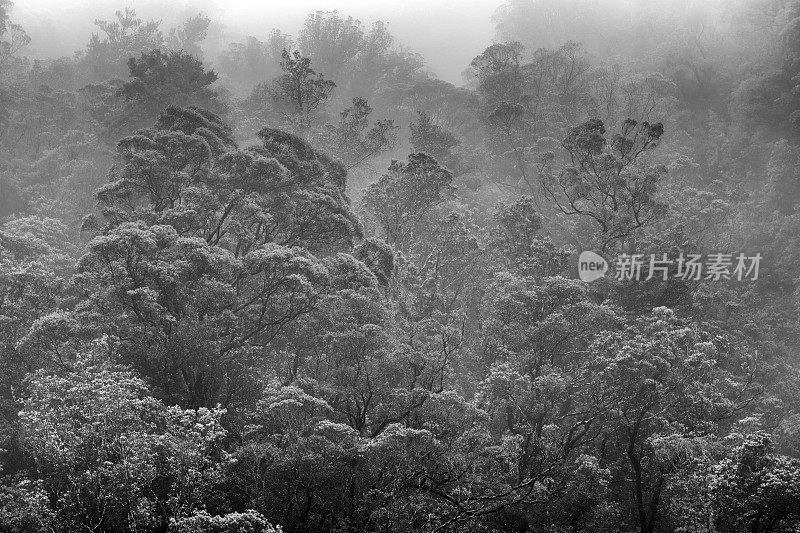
(446, 33)
(437, 266)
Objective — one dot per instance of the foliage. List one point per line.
(606, 181)
(351, 139)
(433, 139)
(403, 197)
(247, 522)
(125, 37)
(199, 331)
(755, 489)
(300, 91)
(113, 457)
(188, 36)
(159, 80)
(12, 38)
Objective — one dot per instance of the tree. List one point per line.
(500, 82)
(351, 140)
(782, 173)
(12, 38)
(433, 140)
(403, 197)
(188, 173)
(379, 66)
(188, 214)
(36, 258)
(124, 38)
(444, 271)
(558, 81)
(102, 105)
(252, 62)
(510, 137)
(59, 180)
(665, 384)
(768, 101)
(202, 522)
(451, 107)
(498, 73)
(109, 456)
(300, 92)
(160, 80)
(525, 104)
(377, 256)
(5, 7)
(606, 28)
(536, 377)
(233, 221)
(189, 34)
(199, 330)
(363, 63)
(615, 92)
(520, 240)
(331, 42)
(606, 181)
(755, 489)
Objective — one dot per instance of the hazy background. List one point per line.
(448, 33)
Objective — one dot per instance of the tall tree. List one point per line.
(162, 79)
(350, 139)
(190, 34)
(234, 220)
(606, 182)
(12, 38)
(405, 195)
(300, 92)
(125, 37)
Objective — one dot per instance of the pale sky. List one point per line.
(448, 33)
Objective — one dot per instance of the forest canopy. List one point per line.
(297, 282)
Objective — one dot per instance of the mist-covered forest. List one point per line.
(297, 282)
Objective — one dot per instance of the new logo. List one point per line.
(591, 266)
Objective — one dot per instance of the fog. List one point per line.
(421, 266)
(448, 33)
